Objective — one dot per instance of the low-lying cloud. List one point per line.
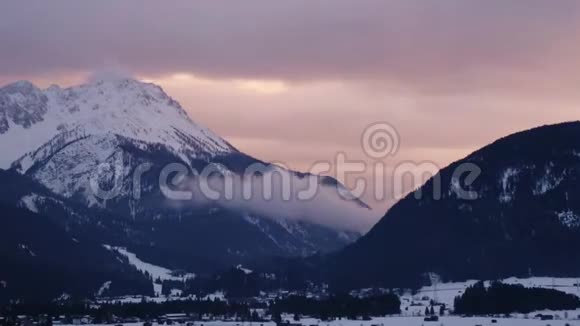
(275, 193)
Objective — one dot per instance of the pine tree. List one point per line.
(276, 317)
(255, 316)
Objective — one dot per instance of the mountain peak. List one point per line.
(124, 84)
(18, 85)
(21, 105)
(115, 106)
(127, 91)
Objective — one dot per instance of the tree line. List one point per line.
(145, 310)
(339, 306)
(500, 298)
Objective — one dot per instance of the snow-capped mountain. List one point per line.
(137, 111)
(522, 218)
(62, 138)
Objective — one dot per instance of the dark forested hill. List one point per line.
(524, 219)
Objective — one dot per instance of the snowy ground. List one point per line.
(445, 293)
(156, 272)
(404, 321)
(445, 321)
(412, 304)
(199, 323)
(449, 321)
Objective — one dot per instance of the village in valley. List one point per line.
(430, 305)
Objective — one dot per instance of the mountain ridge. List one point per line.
(61, 137)
(130, 108)
(525, 220)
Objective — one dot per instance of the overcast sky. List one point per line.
(297, 81)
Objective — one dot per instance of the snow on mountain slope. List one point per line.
(29, 202)
(156, 272)
(30, 117)
(65, 139)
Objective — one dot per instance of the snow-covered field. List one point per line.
(445, 293)
(572, 319)
(449, 321)
(156, 272)
(404, 321)
(198, 323)
(412, 304)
